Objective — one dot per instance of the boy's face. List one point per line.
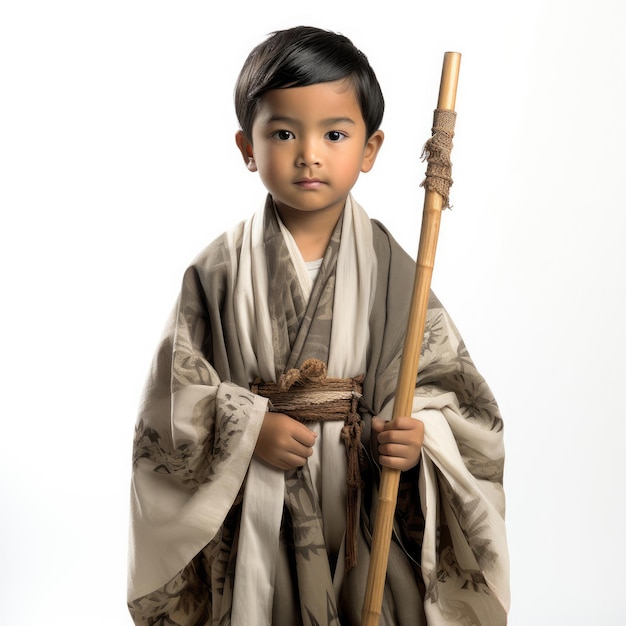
(309, 145)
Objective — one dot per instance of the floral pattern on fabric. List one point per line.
(195, 464)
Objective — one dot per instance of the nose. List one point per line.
(308, 153)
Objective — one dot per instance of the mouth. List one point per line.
(309, 183)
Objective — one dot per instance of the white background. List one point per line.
(117, 165)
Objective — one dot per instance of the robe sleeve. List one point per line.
(194, 440)
(464, 556)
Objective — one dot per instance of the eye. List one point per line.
(335, 135)
(283, 135)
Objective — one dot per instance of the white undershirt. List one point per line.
(313, 268)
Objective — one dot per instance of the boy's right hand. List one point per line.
(284, 442)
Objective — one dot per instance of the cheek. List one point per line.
(349, 165)
(271, 159)
(271, 167)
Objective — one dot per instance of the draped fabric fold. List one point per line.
(217, 537)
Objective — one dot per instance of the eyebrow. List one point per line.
(327, 122)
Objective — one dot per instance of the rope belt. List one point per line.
(307, 394)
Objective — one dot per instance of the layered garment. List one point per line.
(218, 537)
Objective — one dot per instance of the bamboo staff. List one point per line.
(390, 479)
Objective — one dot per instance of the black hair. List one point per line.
(302, 56)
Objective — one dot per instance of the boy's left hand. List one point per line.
(398, 442)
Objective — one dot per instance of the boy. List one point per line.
(265, 418)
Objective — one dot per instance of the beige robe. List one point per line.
(217, 537)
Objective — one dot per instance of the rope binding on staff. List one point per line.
(437, 152)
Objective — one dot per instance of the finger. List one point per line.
(299, 449)
(404, 423)
(303, 435)
(394, 462)
(290, 460)
(400, 451)
(378, 424)
(408, 433)
(398, 436)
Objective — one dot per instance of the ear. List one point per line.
(372, 147)
(245, 147)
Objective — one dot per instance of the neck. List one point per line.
(311, 230)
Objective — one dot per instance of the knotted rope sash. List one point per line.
(307, 394)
